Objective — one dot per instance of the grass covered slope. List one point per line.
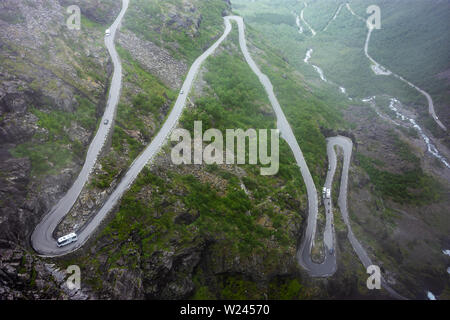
(397, 189)
(63, 96)
(186, 28)
(421, 56)
(208, 231)
(147, 94)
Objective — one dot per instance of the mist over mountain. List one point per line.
(90, 101)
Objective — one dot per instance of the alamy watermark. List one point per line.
(235, 140)
(73, 282)
(374, 281)
(74, 20)
(374, 20)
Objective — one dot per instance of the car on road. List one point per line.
(108, 32)
(181, 92)
(331, 251)
(106, 122)
(67, 239)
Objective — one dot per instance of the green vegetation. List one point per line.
(404, 150)
(151, 20)
(423, 53)
(413, 186)
(234, 102)
(46, 158)
(239, 97)
(308, 113)
(240, 287)
(154, 94)
(12, 17)
(223, 222)
(88, 23)
(109, 165)
(273, 18)
(339, 50)
(56, 121)
(237, 288)
(236, 224)
(288, 289)
(56, 148)
(319, 13)
(137, 110)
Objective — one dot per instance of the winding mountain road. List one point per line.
(347, 145)
(328, 266)
(382, 70)
(42, 238)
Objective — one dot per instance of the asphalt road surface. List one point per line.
(45, 244)
(431, 110)
(347, 145)
(42, 238)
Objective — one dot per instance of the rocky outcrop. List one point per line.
(156, 60)
(44, 66)
(168, 274)
(23, 276)
(102, 11)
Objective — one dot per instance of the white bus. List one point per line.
(67, 239)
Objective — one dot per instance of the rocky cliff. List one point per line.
(52, 90)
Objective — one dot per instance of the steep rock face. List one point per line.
(42, 65)
(49, 77)
(161, 257)
(145, 56)
(166, 272)
(24, 276)
(156, 60)
(101, 11)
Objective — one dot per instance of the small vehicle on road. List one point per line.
(331, 251)
(106, 122)
(181, 92)
(107, 32)
(67, 239)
